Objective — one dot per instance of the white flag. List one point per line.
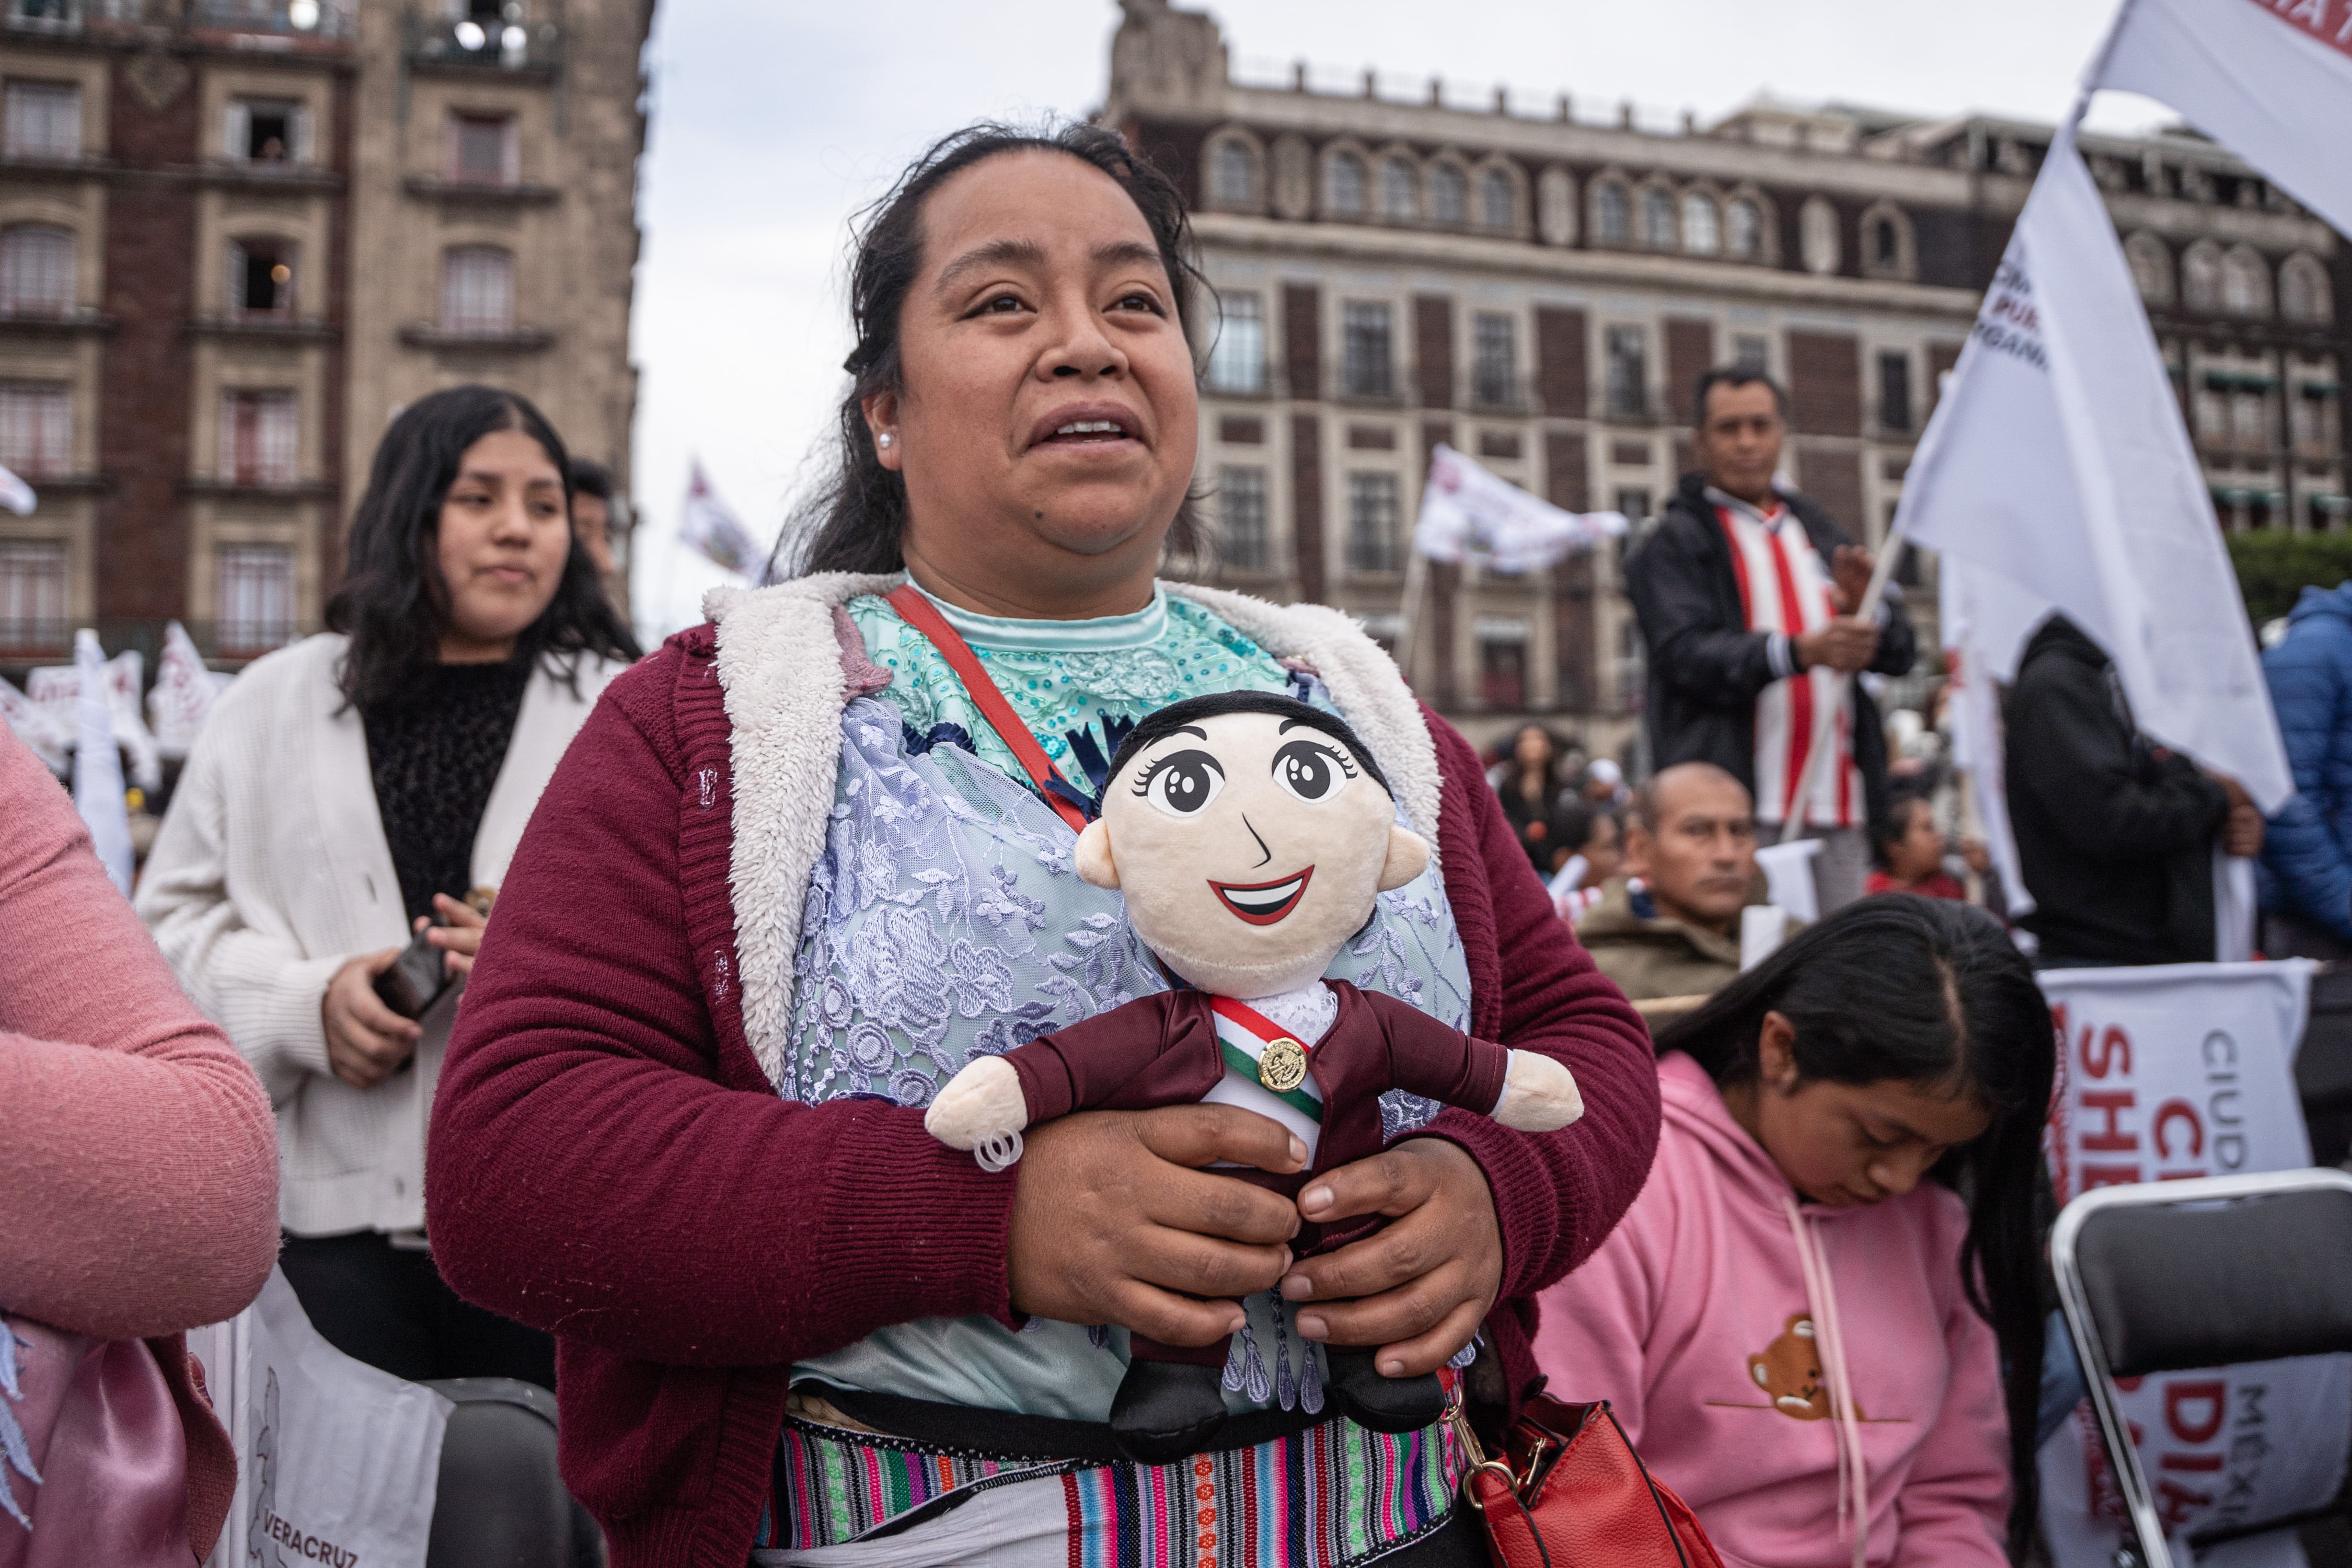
(57, 690)
(2058, 466)
(710, 527)
(1467, 512)
(1985, 621)
(33, 725)
(15, 494)
(184, 693)
(98, 766)
(2270, 79)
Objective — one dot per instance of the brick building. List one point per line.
(1542, 292)
(236, 237)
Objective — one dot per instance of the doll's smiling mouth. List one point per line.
(1263, 903)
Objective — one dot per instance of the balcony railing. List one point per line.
(291, 18)
(512, 45)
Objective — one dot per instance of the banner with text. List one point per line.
(1469, 512)
(2176, 1071)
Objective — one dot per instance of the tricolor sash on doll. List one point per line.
(1267, 1071)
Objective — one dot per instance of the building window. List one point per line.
(2313, 415)
(1885, 245)
(477, 291)
(1658, 219)
(1374, 544)
(266, 132)
(1634, 503)
(484, 149)
(1398, 197)
(260, 279)
(1494, 364)
(1498, 201)
(1751, 351)
(2212, 416)
(256, 597)
(1241, 496)
(2250, 420)
(1503, 672)
(2201, 277)
(32, 594)
(1449, 194)
(1628, 385)
(36, 429)
(1237, 362)
(1613, 215)
(2245, 284)
(1744, 229)
(1702, 232)
(37, 270)
(44, 120)
(2303, 294)
(1818, 235)
(1365, 367)
(2151, 268)
(260, 437)
(1895, 391)
(1345, 186)
(1232, 174)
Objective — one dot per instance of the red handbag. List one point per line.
(1568, 1490)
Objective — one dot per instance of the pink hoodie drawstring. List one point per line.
(1821, 1294)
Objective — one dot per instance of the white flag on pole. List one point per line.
(1985, 624)
(706, 524)
(57, 690)
(2270, 79)
(98, 766)
(15, 494)
(1470, 512)
(2058, 468)
(185, 693)
(37, 727)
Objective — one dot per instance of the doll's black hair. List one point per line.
(1166, 721)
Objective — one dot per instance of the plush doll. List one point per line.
(1250, 836)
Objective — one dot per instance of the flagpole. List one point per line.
(1417, 582)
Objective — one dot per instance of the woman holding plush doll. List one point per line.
(1169, 910)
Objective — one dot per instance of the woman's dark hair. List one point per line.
(1952, 1006)
(855, 520)
(1575, 821)
(1895, 827)
(1516, 771)
(394, 604)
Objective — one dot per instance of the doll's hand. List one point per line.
(1112, 1223)
(1538, 1094)
(982, 1101)
(1422, 1285)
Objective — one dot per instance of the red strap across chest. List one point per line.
(1256, 1022)
(919, 612)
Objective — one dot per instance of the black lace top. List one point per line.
(433, 755)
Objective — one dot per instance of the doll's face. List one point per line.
(1249, 847)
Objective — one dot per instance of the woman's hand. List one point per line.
(1420, 1287)
(1114, 1223)
(461, 939)
(366, 1041)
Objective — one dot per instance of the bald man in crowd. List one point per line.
(1668, 930)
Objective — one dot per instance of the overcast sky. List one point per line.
(773, 122)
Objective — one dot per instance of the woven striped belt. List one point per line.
(1328, 1496)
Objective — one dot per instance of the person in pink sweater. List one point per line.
(1801, 1324)
(139, 1158)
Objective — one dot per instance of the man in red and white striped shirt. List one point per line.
(1744, 592)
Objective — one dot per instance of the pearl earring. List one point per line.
(883, 440)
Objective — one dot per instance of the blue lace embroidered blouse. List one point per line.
(944, 920)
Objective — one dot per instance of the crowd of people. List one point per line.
(594, 1000)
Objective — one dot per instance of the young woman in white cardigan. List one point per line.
(366, 784)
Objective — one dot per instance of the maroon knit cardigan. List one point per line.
(608, 1162)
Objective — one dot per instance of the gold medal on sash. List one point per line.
(1281, 1066)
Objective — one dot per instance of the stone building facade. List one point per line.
(237, 236)
(1542, 292)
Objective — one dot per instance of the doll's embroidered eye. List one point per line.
(1183, 783)
(1311, 771)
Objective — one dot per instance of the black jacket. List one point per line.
(2116, 835)
(1707, 668)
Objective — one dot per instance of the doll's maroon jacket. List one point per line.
(608, 1162)
(1163, 1049)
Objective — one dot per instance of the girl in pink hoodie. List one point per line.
(1801, 1323)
